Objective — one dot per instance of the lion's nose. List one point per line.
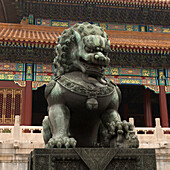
(100, 58)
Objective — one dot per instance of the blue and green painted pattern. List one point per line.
(107, 26)
(132, 80)
(13, 76)
(45, 73)
(12, 71)
(131, 72)
(167, 72)
(18, 67)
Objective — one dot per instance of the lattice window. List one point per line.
(17, 110)
(8, 111)
(10, 105)
(1, 106)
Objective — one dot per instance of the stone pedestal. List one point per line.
(92, 159)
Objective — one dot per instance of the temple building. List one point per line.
(139, 31)
(140, 59)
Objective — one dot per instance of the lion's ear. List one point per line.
(108, 42)
(77, 36)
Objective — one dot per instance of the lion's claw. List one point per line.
(61, 142)
(51, 143)
(73, 142)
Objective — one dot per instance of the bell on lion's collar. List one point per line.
(92, 104)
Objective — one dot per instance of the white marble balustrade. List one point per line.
(149, 137)
(16, 143)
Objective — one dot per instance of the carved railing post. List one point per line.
(131, 120)
(16, 132)
(159, 134)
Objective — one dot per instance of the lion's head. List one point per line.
(82, 47)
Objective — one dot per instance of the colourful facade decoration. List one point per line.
(12, 71)
(106, 26)
(41, 74)
(43, 68)
(154, 88)
(133, 80)
(131, 71)
(36, 84)
(20, 83)
(167, 89)
(16, 67)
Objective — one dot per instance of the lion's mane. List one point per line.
(63, 61)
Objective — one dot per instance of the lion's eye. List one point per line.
(88, 49)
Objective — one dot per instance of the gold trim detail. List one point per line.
(36, 84)
(167, 89)
(20, 83)
(152, 87)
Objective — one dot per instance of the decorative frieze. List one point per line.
(133, 80)
(29, 72)
(20, 83)
(151, 87)
(161, 77)
(131, 72)
(167, 89)
(41, 74)
(44, 68)
(17, 67)
(106, 26)
(43, 77)
(167, 72)
(36, 84)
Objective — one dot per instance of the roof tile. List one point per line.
(49, 35)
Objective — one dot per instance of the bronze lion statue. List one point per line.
(82, 105)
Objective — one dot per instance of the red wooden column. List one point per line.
(28, 104)
(147, 108)
(125, 111)
(163, 106)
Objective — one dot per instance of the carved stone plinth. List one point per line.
(92, 159)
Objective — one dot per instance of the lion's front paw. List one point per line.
(120, 129)
(123, 134)
(61, 142)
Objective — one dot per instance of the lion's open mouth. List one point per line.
(91, 68)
